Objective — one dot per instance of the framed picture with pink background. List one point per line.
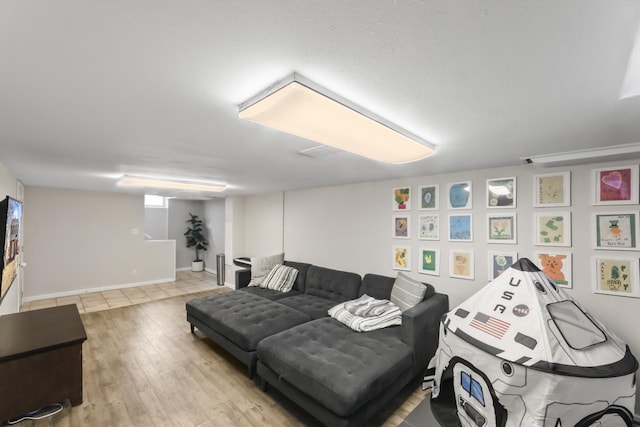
(616, 185)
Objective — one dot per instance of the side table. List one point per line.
(40, 359)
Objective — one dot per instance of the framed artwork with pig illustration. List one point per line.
(557, 267)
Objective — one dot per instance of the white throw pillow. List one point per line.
(261, 266)
(280, 278)
(407, 292)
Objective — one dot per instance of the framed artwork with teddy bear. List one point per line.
(557, 267)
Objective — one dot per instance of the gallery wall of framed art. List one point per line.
(554, 221)
(532, 215)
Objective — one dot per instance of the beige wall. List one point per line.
(349, 227)
(253, 227)
(263, 224)
(8, 186)
(178, 214)
(234, 242)
(214, 221)
(156, 223)
(80, 241)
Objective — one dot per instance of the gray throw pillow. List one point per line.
(407, 292)
(261, 266)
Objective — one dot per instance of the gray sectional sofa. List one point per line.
(339, 376)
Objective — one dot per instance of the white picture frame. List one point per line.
(429, 197)
(552, 190)
(501, 193)
(429, 227)
(460, 195)
(401, 258)
(460, 227)
(502, 228)
(401, 199)
(401, 226)
(615, 230)
(616, 185)
(557, 266)
(552, 229)
(461, 264)
(498, 262)
(616, 275)
(429, 261)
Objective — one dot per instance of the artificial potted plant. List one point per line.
(195, 238)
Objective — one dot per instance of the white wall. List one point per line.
(350, 227)
(264, 224)
(234, 241)
(79, 241)
(156, 223)
(8, 187)
(214, 221)
(253, 227)
(177, 225)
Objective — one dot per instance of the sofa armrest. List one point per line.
(421, 326)
(243, 277)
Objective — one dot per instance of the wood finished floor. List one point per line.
(143, 367)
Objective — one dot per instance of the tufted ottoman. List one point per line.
(239, 320)
(339, 368)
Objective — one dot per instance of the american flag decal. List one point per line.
(490, 325)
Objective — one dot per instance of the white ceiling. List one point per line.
(94, 89)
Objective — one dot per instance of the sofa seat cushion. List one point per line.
(338, 367)
(314, 306)
(269, 294)
(244, 318)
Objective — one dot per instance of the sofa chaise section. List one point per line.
(237, 321)
(343, 377)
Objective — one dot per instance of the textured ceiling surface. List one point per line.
(91, 90)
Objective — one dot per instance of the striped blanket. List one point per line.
(367, 314)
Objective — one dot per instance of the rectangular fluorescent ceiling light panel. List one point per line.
(300, 107)
(600, 154)
(135, 181)
(631, 82)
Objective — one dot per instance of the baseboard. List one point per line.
(98, 289)
(183, 269)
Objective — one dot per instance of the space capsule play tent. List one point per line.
(521, 352)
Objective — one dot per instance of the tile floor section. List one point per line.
(187, 282)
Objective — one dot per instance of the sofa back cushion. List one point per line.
(301, 280)
(376, 286)
(332, 284)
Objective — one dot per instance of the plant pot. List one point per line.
(197, 266)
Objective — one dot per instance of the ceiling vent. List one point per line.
(319, 151)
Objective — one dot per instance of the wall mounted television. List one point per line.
(11, 221)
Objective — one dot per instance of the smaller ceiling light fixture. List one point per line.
(142, 182)
(600, 154)
(300, 107)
